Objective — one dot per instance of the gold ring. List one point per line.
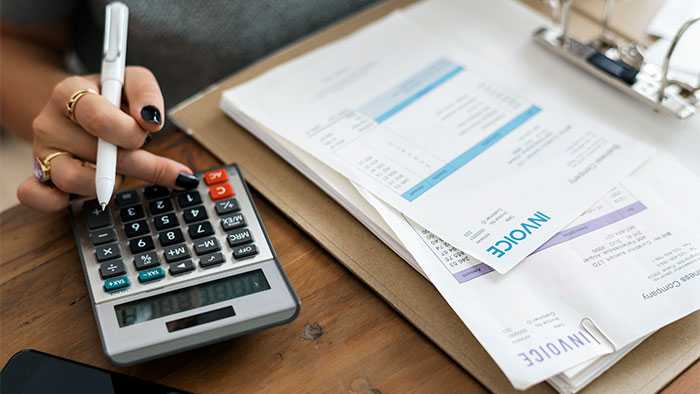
(73, 101)
(42, 168)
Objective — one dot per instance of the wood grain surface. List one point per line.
(346, 339)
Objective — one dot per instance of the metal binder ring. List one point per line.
(667, 61)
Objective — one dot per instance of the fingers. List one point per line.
(98, 116)
(151, 168)
(144, 97)
(57, 133)
(36, 195)
(136, 163)
(73, 176)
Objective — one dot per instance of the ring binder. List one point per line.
(621, 64)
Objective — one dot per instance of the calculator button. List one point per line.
(96, 217)
(176, 253)
(131, 213)
(206, 245)
(111, 269)
(239, 237)
(218, 192)
(155, 191)
(146, 260)
(127, 198)
(227, 206)
(160, 206)
(181, 267)
(165, 221)
(151, 274)
(171, 237)
(116, 283)
(215, 176)
(102, 236)
(189, 199)
(211, 259)
(106, 252)
(233, 222)
(140, 245)
(136, 228)
(194, 214)
(244, 251)
(199, 230)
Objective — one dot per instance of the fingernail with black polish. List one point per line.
(186, 181)
(151, 114)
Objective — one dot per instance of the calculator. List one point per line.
(170, 270)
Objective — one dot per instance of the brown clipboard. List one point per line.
(646, 369)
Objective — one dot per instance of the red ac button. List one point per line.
(218, 192)
(215, 176)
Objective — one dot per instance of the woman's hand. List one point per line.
(96, 118)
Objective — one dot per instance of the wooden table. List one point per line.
(346, 339)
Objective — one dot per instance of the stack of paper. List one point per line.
(536, 217)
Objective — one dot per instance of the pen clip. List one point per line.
(115, 31)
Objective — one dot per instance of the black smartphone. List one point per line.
(32, 372)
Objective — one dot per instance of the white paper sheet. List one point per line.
(671, 16)
(410, 117)
(627, 267)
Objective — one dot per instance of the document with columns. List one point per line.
(625, 268)
(412, 118)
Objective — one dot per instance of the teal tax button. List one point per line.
(115, 284)
(151, 274)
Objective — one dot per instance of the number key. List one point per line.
(131, 213)
(139, 245)
(171, 237)
(136, 228)
(189, 199)
(199, 230)
(165, 221)
(160, 206)
(194, 214)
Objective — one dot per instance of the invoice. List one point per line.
(402, 114)
(628, 266)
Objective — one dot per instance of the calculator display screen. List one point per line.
(191, 297)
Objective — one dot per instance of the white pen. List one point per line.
(112, 80)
